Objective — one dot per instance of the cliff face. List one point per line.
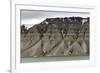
(67, 36)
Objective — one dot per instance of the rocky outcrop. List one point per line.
(67, 36)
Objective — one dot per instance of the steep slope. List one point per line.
(56, 37)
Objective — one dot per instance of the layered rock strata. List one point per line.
(67, 36)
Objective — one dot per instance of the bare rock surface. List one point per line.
(67, 36)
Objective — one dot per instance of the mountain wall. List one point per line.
(68, 36)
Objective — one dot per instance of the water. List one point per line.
(48, 59)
